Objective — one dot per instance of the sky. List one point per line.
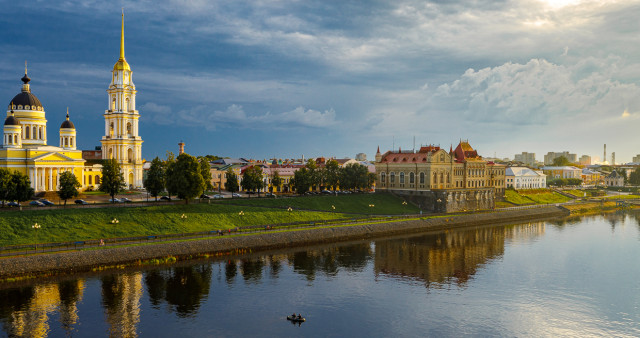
(287, 78)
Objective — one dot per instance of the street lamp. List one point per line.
(289, 210)
(241, 214)
(183, 217)
(439, 201)
(333, 207)
(36, 227)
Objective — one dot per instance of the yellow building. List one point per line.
(121, 140)
(24, 147)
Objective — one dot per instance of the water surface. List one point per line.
(576, 277)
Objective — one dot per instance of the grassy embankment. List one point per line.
(378, 204)
(62, 225)
(535, 196)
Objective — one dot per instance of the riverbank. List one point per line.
(76, 261)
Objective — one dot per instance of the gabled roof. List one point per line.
(465, 152)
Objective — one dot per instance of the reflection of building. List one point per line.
(441, 258)
(453, 256)
(34, 318)
(121, 140)
(121, 300)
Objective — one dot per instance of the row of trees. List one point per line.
(184, 176)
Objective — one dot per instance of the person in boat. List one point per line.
(299, 316)
(293, 315)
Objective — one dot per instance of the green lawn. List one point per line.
(577, 193)
(383, 204)
(538, 196)
(94, 223)
(515, 198)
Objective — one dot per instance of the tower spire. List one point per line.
(25, 67)
(122, 38)
(67, 113)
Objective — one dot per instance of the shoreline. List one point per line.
(82, 261)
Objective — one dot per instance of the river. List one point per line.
(573, 277)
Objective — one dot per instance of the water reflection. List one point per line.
(121, 300)
(182, 288)
(26, 311)
(450, 257)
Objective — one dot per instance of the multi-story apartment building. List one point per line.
(562, 172)
(550, 156)
(526, 158)
(458, 179)
(585, 160)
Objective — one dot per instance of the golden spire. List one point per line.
(25, 67)
(122, 62)
(122, 38)
(67, 113)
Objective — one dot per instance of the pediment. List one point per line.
(53, 157)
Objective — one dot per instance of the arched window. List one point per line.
(113, 104)
(383, 177)
(111, 129)
(10, 139)
(130, 155)
(66, 142)
(129, 129)
(392, 177)
(40, 133)
(401, 178)
(35, 132)
(90, 179)
(448, 178)
(421, 178)
(97, 179)
(441, 178)
(27, 134)
(412, 178)
(435, 178)
(126, 104)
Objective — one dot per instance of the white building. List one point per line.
(524, 178)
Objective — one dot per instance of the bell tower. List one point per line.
(121, 140)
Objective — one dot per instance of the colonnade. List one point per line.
(48, 178)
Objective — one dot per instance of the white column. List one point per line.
(50, 185)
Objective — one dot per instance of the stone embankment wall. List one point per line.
(85, 260)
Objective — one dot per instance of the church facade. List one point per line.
(25, 148)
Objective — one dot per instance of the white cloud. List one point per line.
(539, 92)
(235, 116)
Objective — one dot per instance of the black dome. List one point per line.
(67, 124)
(11, 121)
(26, 99)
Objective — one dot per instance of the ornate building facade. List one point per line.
(24, 143)
(439, 180)
(121, 139)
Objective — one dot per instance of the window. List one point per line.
(401, 178)
(27, 129)
(35, 132)
(40, 133)
(412, 178)
(383, 177)
(97, 179)
(392, 178)
(421, 178)
(435, 178)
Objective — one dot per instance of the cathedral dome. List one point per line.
(25, 98)
(67, 123)
(11, 121)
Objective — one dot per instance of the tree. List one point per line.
(154, 183)
(315, 174)
(186, 177)
(231, 185)
(561, 161)
(634, 177)
(252, 179)
(276, 180)
(68, 186)
(332, 174)
(112, 179)
(23, 190)
(169, 168)
(301, 181)
(5, 185)
(205, 171)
